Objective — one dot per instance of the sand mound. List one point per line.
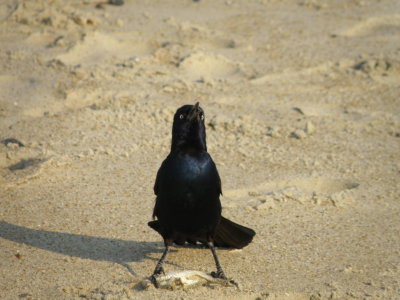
(319, 191)
(97, 47)
(199, 65)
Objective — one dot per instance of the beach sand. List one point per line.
(303, 121)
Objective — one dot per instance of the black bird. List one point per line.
(188, 208)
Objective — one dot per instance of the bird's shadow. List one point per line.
(89, 247)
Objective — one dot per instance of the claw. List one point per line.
(221, 275)
(153, 280)
(233, 282)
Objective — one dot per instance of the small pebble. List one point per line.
(266, 204)
(116, 2)
(299, 134)
(12, 143)
(274, 132)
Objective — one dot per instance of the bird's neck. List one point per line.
(196, 143)
(191, 139)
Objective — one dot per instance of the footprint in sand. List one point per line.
(30, 94)
(200, 36)
(19, 163)
(96, 47)
(318, 191)
(382, 25)
(384, 70)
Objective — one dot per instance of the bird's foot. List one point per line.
(221, 275)
(158, 271)
(153, 277)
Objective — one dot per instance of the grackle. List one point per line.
(187, 207)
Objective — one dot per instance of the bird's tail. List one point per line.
(228, 234)
(232, 235)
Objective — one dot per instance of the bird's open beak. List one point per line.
(194, 112)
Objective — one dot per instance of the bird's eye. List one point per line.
(202, 117)
(181, 116)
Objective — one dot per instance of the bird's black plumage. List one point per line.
(188, 186)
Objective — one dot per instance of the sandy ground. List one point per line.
(303, 120)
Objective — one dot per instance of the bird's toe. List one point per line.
(153, 279)
(219, 274)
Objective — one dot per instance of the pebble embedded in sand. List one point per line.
(116, 2)
(274, 132)
(303, 133)
(12, 143)
(266, 204)
(299, 134)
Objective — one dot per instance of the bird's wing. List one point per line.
(219, 184)
(217, 177)
(159, 176)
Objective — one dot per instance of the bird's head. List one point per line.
(188, 130)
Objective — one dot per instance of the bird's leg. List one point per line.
(220, 273)
(159, 267)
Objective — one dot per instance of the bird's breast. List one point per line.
(198, 170)
(191, 178)
(192, 168)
